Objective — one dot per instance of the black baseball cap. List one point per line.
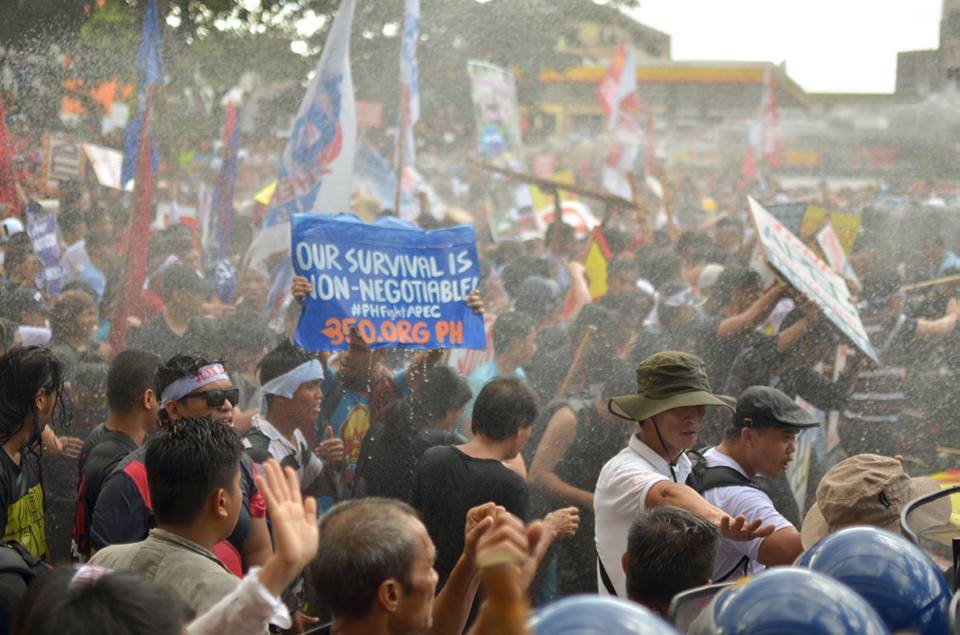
(765, 407)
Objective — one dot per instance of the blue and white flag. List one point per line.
(409, 76)
(316, 173)
(150, 67)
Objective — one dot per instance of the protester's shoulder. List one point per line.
(257, 445)
(93, 439)
(116, 556)
(626, 468)
(436, 456)
(482, 373)
(431, 437)
(109, 446)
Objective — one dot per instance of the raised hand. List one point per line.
(563, 522)
(293, 519)
(742, 530)
(300, 288)
(475, 302)
(330, 449)
(479, 520)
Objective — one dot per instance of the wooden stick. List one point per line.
(552, 185)
(932, 283)
(577, 360)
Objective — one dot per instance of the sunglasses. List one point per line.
(216, 398)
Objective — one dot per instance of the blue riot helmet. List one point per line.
(595, 615)
(892, 574)
(791, 601)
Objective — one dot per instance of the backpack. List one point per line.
(704, 478)
(18, 568)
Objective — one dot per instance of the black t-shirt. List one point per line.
(124, 514)
(447, 484)
(102, 452)
(388, 461)
(718, 354)
(156, 337)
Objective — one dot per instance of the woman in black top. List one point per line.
(579, 437)
(31, 385)
(410, 427)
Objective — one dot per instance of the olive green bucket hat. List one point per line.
(665, 381)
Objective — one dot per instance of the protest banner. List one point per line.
(107, 164)
(494, 94)
(41, 227)
(807, 273)
(398, 285)
(62, 159)
(846, 225)
(790, 214)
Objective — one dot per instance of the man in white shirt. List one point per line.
(293, 388)
(671, 398)
(761, 441)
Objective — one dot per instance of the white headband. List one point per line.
(186, 385)
(681, 298)
(288, 383)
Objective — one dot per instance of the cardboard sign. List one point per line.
(829, 244)
(43, 232)
(808, 274)
(107, 164)
(798, 472)
(497, 115)
(398, 285)
(62, 159)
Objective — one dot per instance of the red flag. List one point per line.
(772, 139)
(138, 233)
(650, 146)
(8, 178)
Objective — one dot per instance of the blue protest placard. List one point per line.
(398, 285)
(43, 233)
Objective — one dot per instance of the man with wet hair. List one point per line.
(193, 479)
(738, 305)
(132, 408)
(451, 479)
(514, 345)
(293, 390)
(760, 441)
(189, 386)
(669, 550)
(356, 395)
(871, 419)
(374, 568)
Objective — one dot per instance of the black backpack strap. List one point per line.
(14, 558)
(605, 578)
(743, 563)
(704, 478)
(257, 445)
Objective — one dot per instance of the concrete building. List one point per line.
(924, 73)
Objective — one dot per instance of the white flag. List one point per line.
(316, 173)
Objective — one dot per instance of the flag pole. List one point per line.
(401, 142)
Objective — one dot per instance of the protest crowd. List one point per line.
(692, 415)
